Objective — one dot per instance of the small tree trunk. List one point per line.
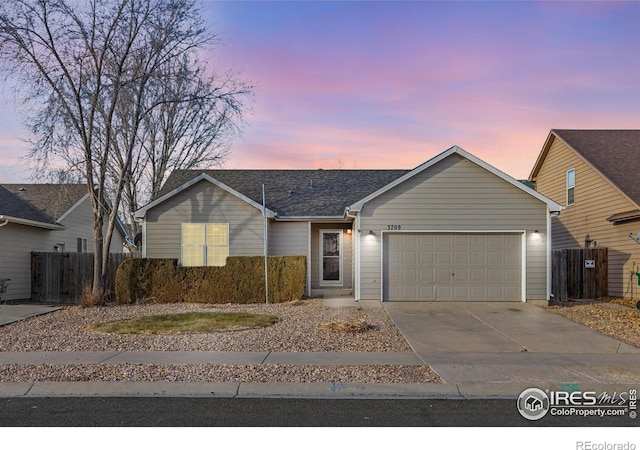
(99, 284)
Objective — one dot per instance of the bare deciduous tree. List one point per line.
(191, 128)
(93, 72)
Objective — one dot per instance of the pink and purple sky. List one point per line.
(389, 84)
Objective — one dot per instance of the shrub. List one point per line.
(86, 299)
(241, 280)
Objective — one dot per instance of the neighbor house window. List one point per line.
(205, 244)
(82, 245)
(571, 186)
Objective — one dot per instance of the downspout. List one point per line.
(356, 259)
(266, 246)
(6, 221)
(309, 259)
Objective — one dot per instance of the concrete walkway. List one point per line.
(14, 313)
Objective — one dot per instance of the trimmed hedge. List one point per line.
(241, 280)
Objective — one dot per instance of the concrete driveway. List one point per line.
(496, 342)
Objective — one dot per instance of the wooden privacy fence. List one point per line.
(579, 273)
(60, 277)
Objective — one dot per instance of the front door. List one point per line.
(331, 257)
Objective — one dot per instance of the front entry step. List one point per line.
(332, 292)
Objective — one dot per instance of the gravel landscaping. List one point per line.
(615, 317)
(303, 327)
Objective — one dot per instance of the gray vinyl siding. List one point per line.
(454, 195)
(288, 238)
(18, 241)
(595, 200)
(203, 203)
(79, 224)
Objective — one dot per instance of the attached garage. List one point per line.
(453, 229)
(428, 266)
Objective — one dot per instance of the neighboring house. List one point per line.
(453, 228)
(43, 218)
(595, 174)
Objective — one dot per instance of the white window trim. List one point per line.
(567, 187)
(205, 245)
(339, 282)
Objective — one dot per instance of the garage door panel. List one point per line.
(461, 240)
(495, 258)
(426, 240)
(461, 276)
(460, 258)
(477, 275)
(427, 275)
(444, 293)
(512, 258)
(461, 291)
(477, 258)
(495, 240)
(512, 276)
(410, 275)
(443, 275)
(478, 292)
(453, 267)
(426, 293)
(512, 292)
(426, 258)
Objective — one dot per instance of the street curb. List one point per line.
(293, 390)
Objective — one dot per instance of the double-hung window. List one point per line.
(571, 186)
(205, 244)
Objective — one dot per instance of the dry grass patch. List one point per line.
(346, 326)
(184, 323)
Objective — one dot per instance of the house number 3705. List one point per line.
(394, 227)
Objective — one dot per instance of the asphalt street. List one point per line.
(278, 412)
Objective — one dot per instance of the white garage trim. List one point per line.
(523, 262)
(548, 254)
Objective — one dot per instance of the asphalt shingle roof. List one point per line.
(296, 193)
(44, 203)
(615, 153)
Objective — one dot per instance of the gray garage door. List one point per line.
(452, 267)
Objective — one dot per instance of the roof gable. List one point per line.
(315, 193)
(52, 201)
(615, 154)
(289, 193)
(40, 203)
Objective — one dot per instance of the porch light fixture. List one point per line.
(536, 235)
(371, 233)
(349, 231)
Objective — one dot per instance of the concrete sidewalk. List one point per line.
(481, 351)
(455, 389)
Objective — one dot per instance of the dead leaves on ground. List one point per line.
(346, 326)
